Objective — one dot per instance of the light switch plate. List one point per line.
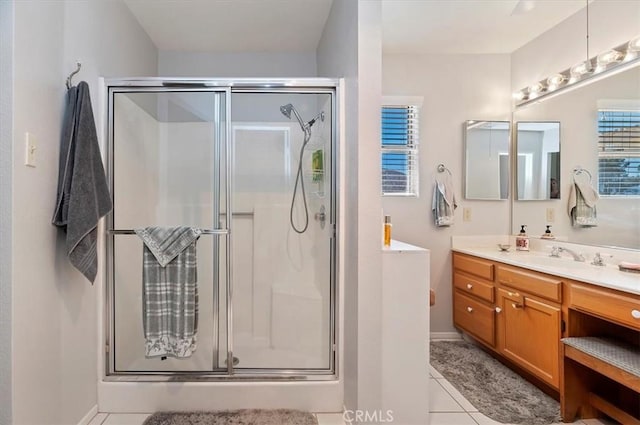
(29, 150)
(466, 214)
(551, 215)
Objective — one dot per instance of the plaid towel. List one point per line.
(443, 203)
(170, 291)
(582, 206)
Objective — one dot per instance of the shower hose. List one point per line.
(300, 182)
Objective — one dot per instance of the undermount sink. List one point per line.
(546, 260)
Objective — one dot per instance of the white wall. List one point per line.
(337, 57)
(350, 47)
(54, 308)
(456, 88)
(236, 65)
(6, 137)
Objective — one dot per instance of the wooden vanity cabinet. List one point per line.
(514, 312)
(521, 316)
(473, 298)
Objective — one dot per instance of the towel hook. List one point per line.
(442, 169)
(79, 65)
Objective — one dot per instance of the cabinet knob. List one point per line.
(514, 294)
(498, 309)
(516, 305)
(635, 314)
(470, 309)
(469, 286)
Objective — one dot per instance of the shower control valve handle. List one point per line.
(321, 216)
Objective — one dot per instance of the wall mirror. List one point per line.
(486, 160)
(598, 131)
(538, 160)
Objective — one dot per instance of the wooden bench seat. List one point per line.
(614, 359)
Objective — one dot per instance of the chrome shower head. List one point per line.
(286, 110)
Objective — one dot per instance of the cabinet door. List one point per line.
(529, 334)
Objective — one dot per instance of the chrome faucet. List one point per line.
(598, 260)
(556, 250)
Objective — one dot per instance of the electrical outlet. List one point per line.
(551, 215)
(29, 150)
(466, 214)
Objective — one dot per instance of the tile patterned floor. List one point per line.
(446, 405)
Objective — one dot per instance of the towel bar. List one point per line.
(203, 231)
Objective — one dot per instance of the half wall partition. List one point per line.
(252, 165)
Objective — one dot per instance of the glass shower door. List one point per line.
(167, 162)
(282, 250)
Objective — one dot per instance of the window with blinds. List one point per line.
(400, 150)
(619, 153)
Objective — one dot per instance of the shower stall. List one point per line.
(253, 165)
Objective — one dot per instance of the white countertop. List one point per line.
(398, 247)
(608, 276)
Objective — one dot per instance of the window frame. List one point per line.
(632, 152)
(411, 148)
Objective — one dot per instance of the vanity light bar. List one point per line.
(618, 59)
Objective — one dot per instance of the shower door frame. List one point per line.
(228, 87)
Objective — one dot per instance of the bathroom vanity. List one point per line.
(522, 305)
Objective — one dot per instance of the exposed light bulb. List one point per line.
(536, 88)
(554, 81)
(633, 48)
(580, 69)
(610, 56)
(519, 95)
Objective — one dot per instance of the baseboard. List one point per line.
(440, 336)
(89, 416)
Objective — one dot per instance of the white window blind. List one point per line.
(619, 152)
(400, 135)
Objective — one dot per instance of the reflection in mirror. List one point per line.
(538, 160)
(487, 160)
(598, 141)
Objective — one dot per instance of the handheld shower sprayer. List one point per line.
(306, 128)
(288, 108)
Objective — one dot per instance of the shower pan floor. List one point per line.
(139, 418)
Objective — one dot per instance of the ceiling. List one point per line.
(233, 25)
(408, 26)
(468, 26)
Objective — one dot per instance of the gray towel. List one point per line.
(170, 291)
(83, 195)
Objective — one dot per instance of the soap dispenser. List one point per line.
(522, 240)
(547, 233)
(387, 231)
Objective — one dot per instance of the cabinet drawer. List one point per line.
(531, 282)
(617, 307)
(474, 266)
(474, 317)
(473, 286)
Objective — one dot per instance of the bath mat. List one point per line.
(492, 388)
(234, 417)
